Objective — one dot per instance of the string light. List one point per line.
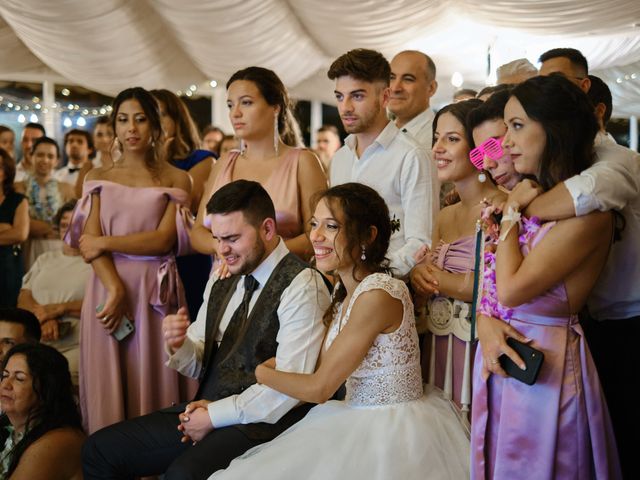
(70, 114)
(627, 78)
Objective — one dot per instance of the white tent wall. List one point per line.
(108, 45)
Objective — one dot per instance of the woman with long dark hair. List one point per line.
(446, 275)
(41, 434)
(543, 273)
(129, 226)
(14, 229)
(182, 150)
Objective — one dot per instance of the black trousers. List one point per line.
(614, 347)
(150, 445)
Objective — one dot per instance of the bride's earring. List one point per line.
(363, 257)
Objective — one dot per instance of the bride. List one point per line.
(387, 427)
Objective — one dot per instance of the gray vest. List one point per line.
(222, 377)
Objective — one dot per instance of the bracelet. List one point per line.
(513, 216)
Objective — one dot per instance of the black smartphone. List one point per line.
(532, 358)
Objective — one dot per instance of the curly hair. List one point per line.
(360, 209)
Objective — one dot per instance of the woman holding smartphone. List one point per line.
(128, 226)
(560, 425)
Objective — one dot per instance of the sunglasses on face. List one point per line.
(492, 148)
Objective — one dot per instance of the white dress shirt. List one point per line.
(21, 172)
(613, 183)
(66, 176)
(396, 167)
(420, 128)
(302, 306)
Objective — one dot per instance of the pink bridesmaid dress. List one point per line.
(454, 257)
(128, 378)
(282, 187)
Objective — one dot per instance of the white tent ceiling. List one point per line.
(108, 45)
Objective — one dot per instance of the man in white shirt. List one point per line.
(271, 306)
(379, 155)
(413, 83)
(30, 133)
(78, 145)
(612, 323)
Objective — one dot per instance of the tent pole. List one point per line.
(48, 98)
(633, 133)
(316, 121)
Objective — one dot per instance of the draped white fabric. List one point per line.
(107, 45)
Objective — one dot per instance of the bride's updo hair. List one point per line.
(358, 208)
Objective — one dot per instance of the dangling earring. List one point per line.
(276, 134)
(482, 176)
(243, 147)
(363, 257)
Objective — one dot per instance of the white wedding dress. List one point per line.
(387, 428)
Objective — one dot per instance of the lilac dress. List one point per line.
(125, 379)
(454, 257)
(559, 426)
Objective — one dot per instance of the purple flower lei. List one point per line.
(489, 304)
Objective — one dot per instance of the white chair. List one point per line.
(449, 317)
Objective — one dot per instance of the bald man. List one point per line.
(413, 83)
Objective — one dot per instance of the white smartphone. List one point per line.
(125, 329)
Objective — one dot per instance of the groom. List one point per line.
(272, 306)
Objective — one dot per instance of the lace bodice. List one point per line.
(390, 372)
